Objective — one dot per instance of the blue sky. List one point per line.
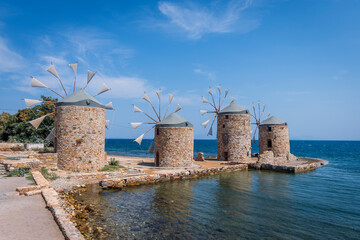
(301, 58)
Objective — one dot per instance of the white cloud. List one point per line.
(9, 60)
(124, 87)
(209, 75)
(197, 21)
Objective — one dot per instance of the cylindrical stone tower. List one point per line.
(174, 142)
(80, 133)
(234, 134)
(274, 136)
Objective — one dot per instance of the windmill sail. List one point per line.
(139, 139)
(146, 98)
(204, 100)
(203, 112)
(151, 148)
(135, 124)
(210, 133)
(136, 109)
(107, 122)
(73, 67)
(178, 108)
(171, 96)
(51, 136)
(103, 89)
(36, 122)
(31, 102)
(205, 123)
(52, 70)
(109, 106)
(90, 76)
(37, 83)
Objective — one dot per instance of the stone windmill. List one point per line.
(79, 132)
(259, 114)
(174, 136)
(233, 129)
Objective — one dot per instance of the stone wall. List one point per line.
(279, 137)
(80, 138)
(234, 137)
(174, 146)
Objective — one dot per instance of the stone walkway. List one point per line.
(24, 217)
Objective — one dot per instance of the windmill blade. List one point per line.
(107, 122)
(151, 148)
(73, 67)
(31, 102)
(203, 112)
(210, 133)
(109, 106)
(171, 96)
(158, 93)
(52, 70)
(37, 83)
(139, 139)
(232, 100)
(36, 122)
(103, 89)
(178, 108)
(205, 123)
(136, 109)
(146, 98)
(51, 136)
(219, 88)
(226, 92)
(204, 100)
(134, 125)
(90, 76)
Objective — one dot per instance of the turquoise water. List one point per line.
(320, 204)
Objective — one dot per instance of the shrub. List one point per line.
(113, 162)
(48, 175)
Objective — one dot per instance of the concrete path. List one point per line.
(24, 217)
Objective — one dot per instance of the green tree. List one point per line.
(4, 120)
(18, 128)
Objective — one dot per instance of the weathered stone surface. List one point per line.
(80, 138)
(234, 137)
(12, 146)
(279, 137)
(156, 178)
(40, 180)
(174, 146)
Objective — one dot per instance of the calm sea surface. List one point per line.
(320, 204)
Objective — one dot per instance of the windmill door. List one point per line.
(157, 159)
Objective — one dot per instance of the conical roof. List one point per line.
(174, 120)
(80, 98)
(273, 121)
(234, 108)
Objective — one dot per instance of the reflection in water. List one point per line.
(240, 205)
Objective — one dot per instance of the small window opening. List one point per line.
(186, 124)
(226, 116)
(269, 143)
(223, 125)
(157, 131)
(269, 129)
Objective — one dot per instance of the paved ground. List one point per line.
(24, 217)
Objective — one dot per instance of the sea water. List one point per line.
(320, 204)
